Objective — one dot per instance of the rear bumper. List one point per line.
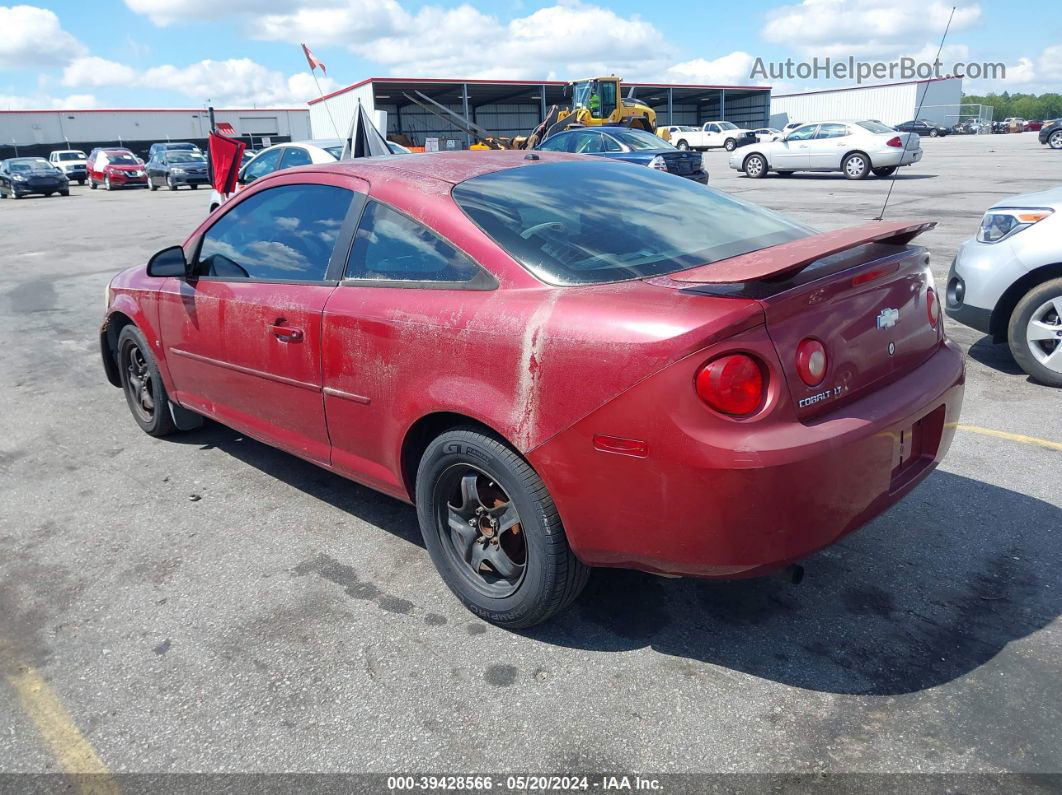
(749, 500)
(895, 157)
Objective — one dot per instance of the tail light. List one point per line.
(896, 142)
(658, 163)
(732, 384)
(932, 307)
(811, 361)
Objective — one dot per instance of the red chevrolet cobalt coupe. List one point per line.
(564, 362)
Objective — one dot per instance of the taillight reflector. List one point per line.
(811, 361)
(732, 384)
(896, 142)
(932, 307)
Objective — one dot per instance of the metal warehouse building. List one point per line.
(509, 108)
(38, 132)
(891, 103)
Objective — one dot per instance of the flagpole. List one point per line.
(327, 109)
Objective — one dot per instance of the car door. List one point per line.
(794, 152)
(711, 136)
(393, 315)
(242, 335)
(828, 145)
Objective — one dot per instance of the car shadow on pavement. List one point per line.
(927, 593)
(996, 356)
(828, 176)
(923, 595)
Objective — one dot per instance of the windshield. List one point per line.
(121, 159)
(628, 223)
(181, 147)
(31, 165)
(640, 140)
(726, 125)
(335, 151)
(184, 157)
(875, 127)
(71, 155)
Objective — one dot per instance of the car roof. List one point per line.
(449, 167)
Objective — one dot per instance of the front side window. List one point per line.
(628, 223)
(557, 143)
(286, 233)
(390, 246)
(586, 143)
(804, 133)
(265, 163)
(295, 156)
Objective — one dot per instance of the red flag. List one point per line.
(313, 60)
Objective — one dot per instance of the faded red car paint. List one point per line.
(119, 174)
(549, 368)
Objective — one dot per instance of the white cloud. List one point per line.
(167, 12)
(732, 69)
(865, 28)
(92, 70)
(73, 101)
(31, 36)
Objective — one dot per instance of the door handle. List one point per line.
(285, 333)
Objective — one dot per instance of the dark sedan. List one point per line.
(633, 146)
(21, 176)
(922, 127)
(1051, 134)
(175, 168)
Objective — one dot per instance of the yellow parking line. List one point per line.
(1013, 437)
(68, 745)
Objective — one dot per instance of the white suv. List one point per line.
(71, 162)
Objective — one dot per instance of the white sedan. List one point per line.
(855, 148)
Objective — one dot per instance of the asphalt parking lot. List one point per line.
(205, 603)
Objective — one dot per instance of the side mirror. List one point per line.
(168, 262)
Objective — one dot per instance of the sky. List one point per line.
(237, 53)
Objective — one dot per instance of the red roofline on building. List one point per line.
(861, 88)
(156, 110)
(528, 83)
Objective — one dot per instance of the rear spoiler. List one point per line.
(788, 258)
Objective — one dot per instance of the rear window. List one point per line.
(589, 223)
(875, 127)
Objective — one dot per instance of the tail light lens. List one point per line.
(732, 384)
(811, 361)
(896, 142)
(658, 163)
(932, 307)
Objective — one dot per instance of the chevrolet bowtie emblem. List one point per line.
(887, 318)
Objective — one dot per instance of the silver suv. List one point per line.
(1007, 281)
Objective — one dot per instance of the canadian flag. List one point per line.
(313, 60)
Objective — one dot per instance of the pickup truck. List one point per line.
(713, 134)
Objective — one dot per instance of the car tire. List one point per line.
(1032, 335)
(214, 207)
(934, 133)
(92, 184)
(170, 183)
(683, 145)
(81, 182)
(730, 144)
(755, 166)
(481, 505)
(142, 384)
(885, 171)
(65, 192)
(1054, 140)
(152, 185)
(856, 166)
(193, 186)
(107, 183)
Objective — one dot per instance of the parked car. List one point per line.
(417, 324)
(923, 127)
(1013, 124)
(1007, 281)
(855, 148)
(174, 168)
(1051, 134)
(714, 134)
(632, 146)
(1033, 126)
(767, 134)
(115, 168)
(398, 149)
(71, 162)
(22, 176)
(172, 146)
(281, 156)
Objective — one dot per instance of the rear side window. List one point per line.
(285, 233)
(295, 156)
(593, 222)
(390, 246)
(265, 163)
(832, 131)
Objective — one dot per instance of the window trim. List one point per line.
(483, 281)
(336, 265)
